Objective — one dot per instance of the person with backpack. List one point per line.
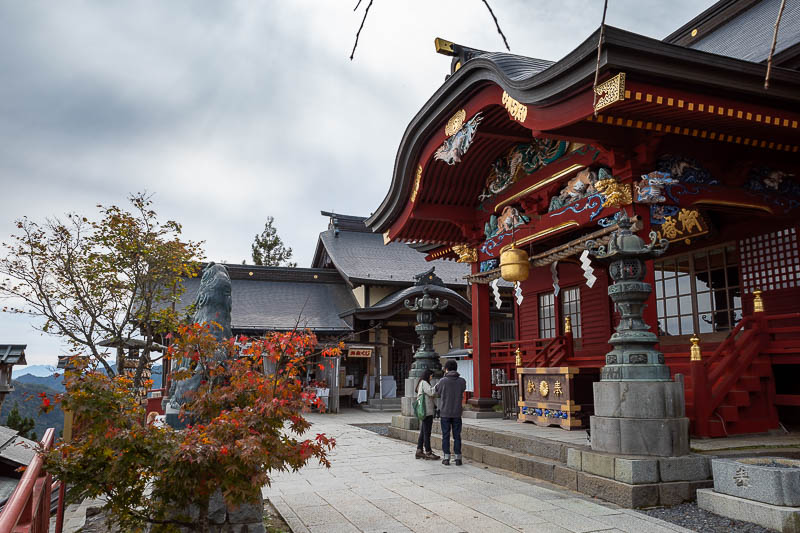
(451, 391)
(424, 406)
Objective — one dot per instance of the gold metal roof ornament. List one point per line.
(465, 253)
(694, 352)
(610, 91)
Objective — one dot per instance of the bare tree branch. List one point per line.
(366, 12)
(774, 42)
(497, 24)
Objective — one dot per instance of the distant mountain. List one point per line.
(33, 370)
(50, 382)
(27, 397)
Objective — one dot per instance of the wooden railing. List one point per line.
(715, 376)
(28, 508)
(535, 352)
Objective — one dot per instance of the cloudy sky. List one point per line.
(230, 111)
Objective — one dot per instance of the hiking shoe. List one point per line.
(458, 462)
(446, 462)
(432, 456)
(420, 455)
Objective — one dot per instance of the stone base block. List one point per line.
(755, 479)
(405, 422)
(777, 517)
(665, 437)
(407, 406)
(481, 414)
(410, 387)
(639, 399)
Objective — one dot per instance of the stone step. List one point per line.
(376, 405)
(631, 495)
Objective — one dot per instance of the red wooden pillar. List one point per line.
(481, 346)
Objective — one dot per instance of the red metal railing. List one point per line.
(28, 508)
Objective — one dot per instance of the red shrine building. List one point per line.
(680, 134)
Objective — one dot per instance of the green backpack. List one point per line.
(419, 406)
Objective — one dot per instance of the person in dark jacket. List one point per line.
(451, 392)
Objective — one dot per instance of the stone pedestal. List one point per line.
(640, 418)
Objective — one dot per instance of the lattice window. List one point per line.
(698, 292)
(571, 307)
(547, 316)
(770, 261)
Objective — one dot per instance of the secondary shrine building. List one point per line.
(679, 133)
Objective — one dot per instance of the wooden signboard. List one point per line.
(359, 351)
(561, 396)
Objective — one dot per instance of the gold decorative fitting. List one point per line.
(694, 32)
(386, 238)
(610, 91)
(455, 123)
(417, 179)
(688, 224)
(758, 303)
(567, 325)
(466, 337)
(444, 47)
(544, 388)
(531, 387)
(557, 388)
(465, 253)
(514, 265)
(694, 352)
(616, 194)
(518, 357)
(517, 110)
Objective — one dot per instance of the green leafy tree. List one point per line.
(23, 424)
(107, 279)
(268, 248)
(245, 425)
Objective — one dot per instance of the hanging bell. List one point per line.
(514, 265)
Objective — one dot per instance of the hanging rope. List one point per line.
(597, 66)
(774, 42)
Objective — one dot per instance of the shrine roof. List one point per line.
(272, 298)
(742, 29)
(395, 302)
(361, 257)
(559, 97)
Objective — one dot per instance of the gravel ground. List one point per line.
(690, 516)
(380, 429)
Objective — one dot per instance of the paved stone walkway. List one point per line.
(376, 485)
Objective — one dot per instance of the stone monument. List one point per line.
(638, 409)
(213, 306)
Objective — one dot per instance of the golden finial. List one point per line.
(758, 303)
(567, 325)
(694, 352)
(466, 337)
(518, 358)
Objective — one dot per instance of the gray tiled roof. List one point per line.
(362, 257)
(15, 450)
(748, 35)
(272, 298)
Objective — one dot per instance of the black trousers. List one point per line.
(425, 426)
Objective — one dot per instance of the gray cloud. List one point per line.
(232, 111)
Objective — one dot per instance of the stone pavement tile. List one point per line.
(584, 507)
(332, 496)
(575, 522)
(288, 515)
(418, 494)
(525, 502)
(395, 527)
(363, 515)
(374, 493)
(303, 499)
(320, 515)
(502, 512)
(633, 524)
(467, 519)
(415, 517)
(669, 525)
(344, 527)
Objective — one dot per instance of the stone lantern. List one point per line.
(639, 410)
(425, 357)
(10, 355)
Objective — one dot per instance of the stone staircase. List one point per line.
(631, 482)
(375, 405)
